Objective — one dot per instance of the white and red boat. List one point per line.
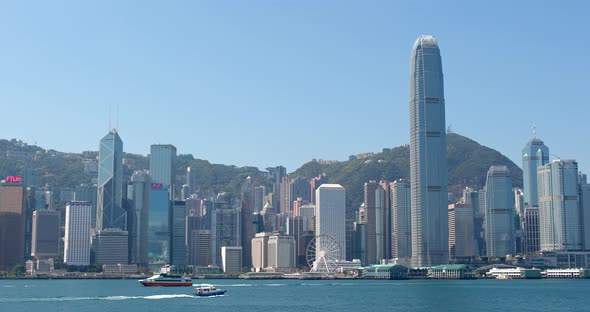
(167, 280)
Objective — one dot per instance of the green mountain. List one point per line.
(66, 170)
(468, 163)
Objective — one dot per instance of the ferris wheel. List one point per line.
(322, 254)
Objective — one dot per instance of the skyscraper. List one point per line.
(109, 205)
(111, 246)
(330, 214)
(534, 155)
(374, 200)
(401, 222)
(584, 188)
(428, 161)
(247, 199)
(178, 255)
(158, 225)
(77, 236)
(530, 230)
(45, 242)
(281, 252)
(499, 213)
(461, 238)
(276, 174)
(12, 223)
(560, 219)
(163, 165)
(87, 192)
(225, 225)
(138, 192)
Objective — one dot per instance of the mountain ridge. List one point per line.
(468, 162)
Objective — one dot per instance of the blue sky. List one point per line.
(263, 83)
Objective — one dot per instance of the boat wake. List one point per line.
(111, 298)
(153, 297)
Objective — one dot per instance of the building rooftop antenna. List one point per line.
(534, 131)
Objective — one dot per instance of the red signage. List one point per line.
(156, 185)
(14, 179)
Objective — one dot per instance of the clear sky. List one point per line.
(263, 83)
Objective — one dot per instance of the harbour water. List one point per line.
(298, 295)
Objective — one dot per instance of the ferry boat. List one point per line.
(503, 277)
(208, 290)
(164, 279)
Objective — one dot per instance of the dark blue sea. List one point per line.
(298, 295)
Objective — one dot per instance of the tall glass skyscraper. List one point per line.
(158, 226)
(110, 213)
(428, 161)
(138, 192)
(163, 164)
(534, 155)
(560, 218)
(499, 213)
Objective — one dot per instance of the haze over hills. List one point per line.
(468, 163)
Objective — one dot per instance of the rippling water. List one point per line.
(298, 295)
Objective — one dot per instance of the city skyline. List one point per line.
(157, 79)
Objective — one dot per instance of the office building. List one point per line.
(77, 233)
(110, 213)
(401, 221)
(330, 215)
(298, 188)
(111, 247)
(88, 193)
(281, 253)
(12, 222)
(231, 258)
(585, 210)
(560, 218)
(46, 235)
(428, 161)
(198, 235)
(259, 193)
(276, 175)
(461, 238)
(178, 234)
(269, 218)
(530, 231)
(534, 155)
(163, 165)
(260, 251)
(374, 205)
(499, 213)
(247, 201)
(225, 225)
(138, 197)
(158, 225)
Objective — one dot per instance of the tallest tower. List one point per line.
(428, 167)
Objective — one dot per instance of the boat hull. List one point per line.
(166, 284)
(216, 293)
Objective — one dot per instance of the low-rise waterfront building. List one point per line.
(119, 269)
(384, 271)
(514, 273)
(450, 271)
(566, 273)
